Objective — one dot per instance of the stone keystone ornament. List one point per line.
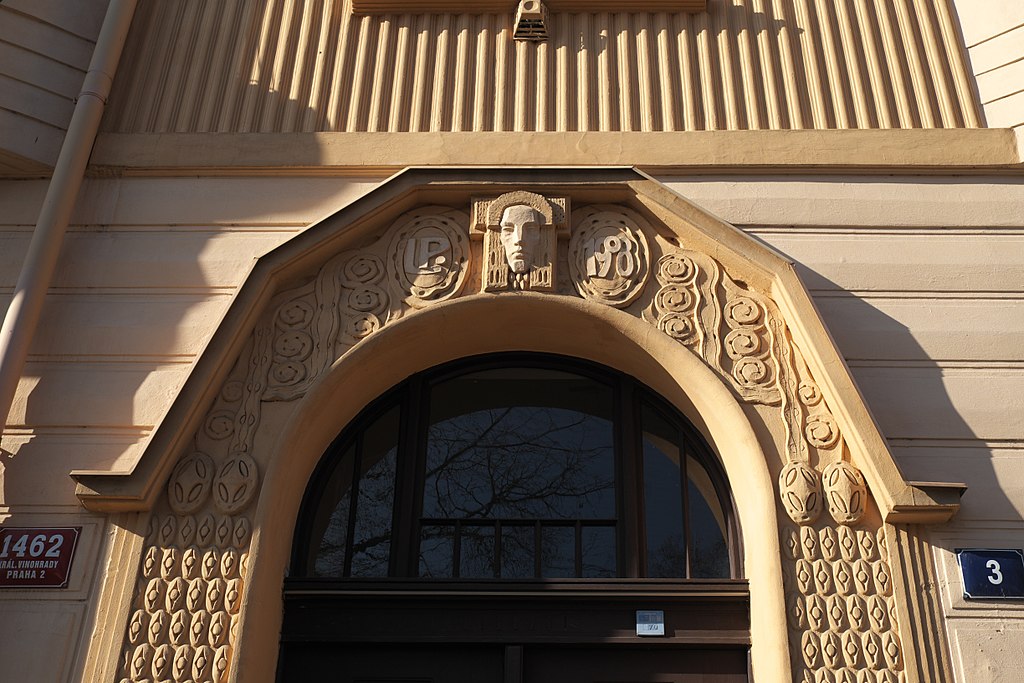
(520, 231)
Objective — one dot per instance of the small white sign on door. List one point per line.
(650, 622)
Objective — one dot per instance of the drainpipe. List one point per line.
(37, 272)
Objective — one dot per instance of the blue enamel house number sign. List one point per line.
(991, 574)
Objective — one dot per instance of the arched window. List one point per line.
(517, 467)
(516, 518)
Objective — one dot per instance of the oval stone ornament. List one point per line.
(845, 492)
(800, 492)
(190, 483)
(235, 484)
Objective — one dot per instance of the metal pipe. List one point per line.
(36, 273)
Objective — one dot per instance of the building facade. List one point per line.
(282, 277)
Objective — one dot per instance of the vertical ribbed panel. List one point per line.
(310, 65)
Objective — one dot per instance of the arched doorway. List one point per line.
(512, 517)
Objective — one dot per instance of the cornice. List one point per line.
(931, 150)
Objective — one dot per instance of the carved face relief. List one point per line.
(520, 235)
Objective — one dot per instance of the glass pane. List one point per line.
(476, 558)
(663, 497)
(371, 542)
(437, 550)
(710, 558)
(599, 552)
(331, 522)
(558, 552)
(517, 552)
(520, 443)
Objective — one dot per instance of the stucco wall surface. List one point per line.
(993, 34)
(45, 47)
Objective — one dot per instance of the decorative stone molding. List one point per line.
(839, 589)
(839, 599)
(699, 305)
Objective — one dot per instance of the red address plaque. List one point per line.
(36, 557)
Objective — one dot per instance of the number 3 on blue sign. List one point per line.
(989, 574)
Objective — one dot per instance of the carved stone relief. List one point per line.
(608, 255)
(840, 606)
(520, 232)
(184, 622)
(725, 323)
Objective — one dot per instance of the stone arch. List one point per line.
(622, 342)
(402, 280)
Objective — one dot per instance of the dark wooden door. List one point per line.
(507, 632)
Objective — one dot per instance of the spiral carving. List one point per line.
(677, 269)
(368, 300)
(809, 393)
(821, 431)
(673, 297)
(294, 345)
(295, 314)
(750, 371)
(743, 311)
(362, 269)
(288, 373)
(742, 342)
(219, 425)
(361, 326)
(678, 326)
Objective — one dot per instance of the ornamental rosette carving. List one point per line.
(845, 492)
(800, 491)
(190, 483)
(609, 259)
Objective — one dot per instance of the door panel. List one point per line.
(302, 663)
(633, 665)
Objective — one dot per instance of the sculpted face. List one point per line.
(520, 235)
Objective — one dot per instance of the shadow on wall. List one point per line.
(278, 66)
(146, 270)
(907, 389)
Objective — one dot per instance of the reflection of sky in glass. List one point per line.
(710, 558)
(520, 462)
(371, 539)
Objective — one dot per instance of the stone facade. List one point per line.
(841, 307)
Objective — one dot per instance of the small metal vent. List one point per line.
(531, 21)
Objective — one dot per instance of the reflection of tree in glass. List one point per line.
(371, 542)
(521, 462)
(668, 560)
(524, 463)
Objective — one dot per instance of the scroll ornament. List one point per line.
(727, 324)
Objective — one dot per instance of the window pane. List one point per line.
(517, 552)
(599, 552)
(371, 542)
(710, 558)
(558, 552)
(663, 497)
(476, 559)
(331, 523)
(437, 550)
(520, 444)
